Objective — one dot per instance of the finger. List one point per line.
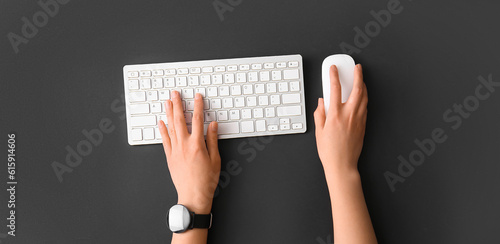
(170, 121)
(212, 145)
(319, 115)
(197, 129)
(364, 101)
(179, 121)
(167, 145)
(357, 88)
(335, 88)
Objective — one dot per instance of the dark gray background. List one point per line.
(428, 58)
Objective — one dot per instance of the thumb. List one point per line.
(213, 147)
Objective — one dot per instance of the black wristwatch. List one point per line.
(180, 219)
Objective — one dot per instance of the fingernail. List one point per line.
(175, 94)
(359, 67)
(197, 96)
(214, 126)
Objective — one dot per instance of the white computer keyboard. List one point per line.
(246, 96)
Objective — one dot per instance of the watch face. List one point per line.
(178, 218)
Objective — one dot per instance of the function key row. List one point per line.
(210, 69)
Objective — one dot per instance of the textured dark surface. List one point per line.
(68, 76)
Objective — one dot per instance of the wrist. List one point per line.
(196, 205)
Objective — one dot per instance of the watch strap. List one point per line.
(202, 221)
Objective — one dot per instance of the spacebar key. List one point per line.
(143, 120)
(289, 111)
(229, 128)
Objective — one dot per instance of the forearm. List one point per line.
(351, 220)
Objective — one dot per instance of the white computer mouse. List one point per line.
(345, 65)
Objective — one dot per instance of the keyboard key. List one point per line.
(194, 70)
(251, 101)
(264, 76)
(156, 108)
(281, 65)
(260, 125)
(217, 79)
(228, 128)
(148, 133)
(224, 91)
(297, 126)
(164, 95)
(269, 66)
(227, 102)
(210, 116)
(246, 113)
(205, 80)
(293, 64)
(289, 111)
(244, 67)
(158, 72)
(291, 74)
(169, 82)
(271, 87)
(234, 114)
(247, 127)
(212, 91)
(183, 71)
(145, 73)
(187, 93)
(285, 127)
(270, 112)
(222, 115)
(190, 105)
(208, 69)
(276, 75)
(263, 100)
(157, 133)
(133, 74)
(241, 77)
(235, 90)
(152, 95)
(259, 88)
(206, 104)
(294, 86)
(290, 98)
(256, 66)
(133, 84)
(170, 72)
(228, 78)
(143, 120)
(239, 102)
(253, 77)
(285, 121)
(215, 104)
(139, 109)
(272, 127)
(146, 84)
(200, 90)
(231, 68)
(283, 86)
(247, 89)
(220, 68)
(157, 83)
(136, 134)
(137, 96)
(258, 113)
(181, 81)
(275, 100)
(194, 80)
